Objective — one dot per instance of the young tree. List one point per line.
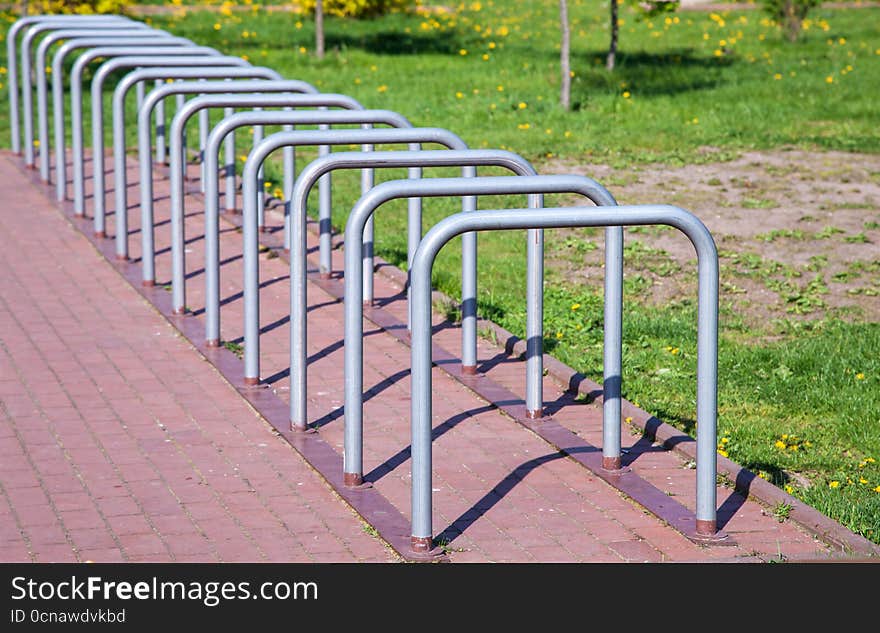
(612, 47)
(790, 14)
(319, 29)
(649, 8)
(565, 56)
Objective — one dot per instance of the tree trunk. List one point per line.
(612, 48)
(565, 56)
(319, 29)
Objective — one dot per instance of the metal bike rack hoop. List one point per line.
(58, 90)
(707, 338)
(524, 183)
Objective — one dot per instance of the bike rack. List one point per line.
(158, 94)
(41, 24)
(250, 222)
(76, 102)
(161, 56)
(228, 89)
(104, 71)
(178, 291)
(58, 91)
(526, 182)
(137, 35)
(707, 338)
(229, 124)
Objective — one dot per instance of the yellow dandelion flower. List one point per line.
(626, 94)
(500, 88)
(382, 88)
(717, 52)
(725, 440)
(870, 460)
(779, 444)
(357, 80)
(522, 105)
(862, 480)
(567, 133)
(842, 41)
(485, 57)
(834, 484)
(523, 126)
(723, 453)
(462, 52)
(302, 50)
(548, 131)
(628, 420)
(217, 26)
(777, 76)
(459, 95)
(860, 376)
(829, 79)
(877, 489)
(559, 334)
(492, 46)
(789, 489)
(574, 306)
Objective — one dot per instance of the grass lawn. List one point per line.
(799, 395)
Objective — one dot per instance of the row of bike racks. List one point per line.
(177, 67)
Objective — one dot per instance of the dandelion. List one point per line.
(567, 133)
(842, 41)
(628, 420)
(695, 121)
(302, 50)
(458, 95)
(777, 76)
(789, 488)
(500, 88)
(485, 57)
(492, 46)
(780, 445)
(277, 193)
(548, 131)
(722, 452)
(574, 306)
(834, 484)
(357, 80)
(626, 94)
(523, 126)
(860, 376)
(559, 334)
(829, 79)
(462, 52)
(862, 480)
(522, 105)
(717, 52)
(382, 88)
(725, 440)
(217, 26)
(877, 489)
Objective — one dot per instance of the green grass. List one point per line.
(809, 384)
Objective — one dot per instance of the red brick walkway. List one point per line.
(117, 440)
(123, 442)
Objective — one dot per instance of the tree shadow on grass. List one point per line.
(674, 72)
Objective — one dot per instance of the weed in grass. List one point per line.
(858, 238)
(759, 203)
(828, 231)
(782, 511)
(775, 234)
(235, 348)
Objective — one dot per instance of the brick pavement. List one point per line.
(118, 441)
(501, 492)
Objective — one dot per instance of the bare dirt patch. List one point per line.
(798, 233)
